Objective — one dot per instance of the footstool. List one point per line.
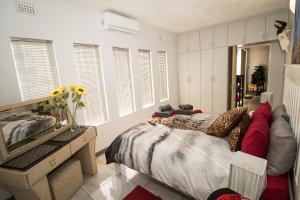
(65, 180)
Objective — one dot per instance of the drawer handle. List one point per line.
(52, 162)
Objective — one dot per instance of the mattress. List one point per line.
(189, 161)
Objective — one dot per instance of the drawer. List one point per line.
(47, 165)
(85, 138)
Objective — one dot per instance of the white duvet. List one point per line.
(190, 161)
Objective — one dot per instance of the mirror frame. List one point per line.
(6, 155)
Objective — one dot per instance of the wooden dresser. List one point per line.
(26, 175)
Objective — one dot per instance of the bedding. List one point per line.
(280, 111)
(190, 161)
(225, 122)
(236, 135)
(256, 140)
(282, 149)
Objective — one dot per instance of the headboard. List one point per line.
(291, 100)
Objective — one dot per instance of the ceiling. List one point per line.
(184, 15)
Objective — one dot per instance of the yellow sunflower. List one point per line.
(80, 90)
(56, 92)
(63, 88)
(73, 87)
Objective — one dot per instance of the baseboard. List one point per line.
(100, 152)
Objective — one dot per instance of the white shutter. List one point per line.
(35, 67)
(163, 75)
(124, 81)
(90, 75)
(146, 79)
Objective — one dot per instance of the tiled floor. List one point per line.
(114, 182)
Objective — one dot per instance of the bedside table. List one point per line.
(248, 175)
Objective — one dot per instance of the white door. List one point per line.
(194, 66)
(236, 33)
(255, 29)
(220, 36)
(194, 41)
(182, 43)
(206, 38)
(183, 69)
(220, 79)
(271, 31)
(206, 80)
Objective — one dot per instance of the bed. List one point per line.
(196, 163)
(190, 161)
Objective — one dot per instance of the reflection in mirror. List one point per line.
(22, 125)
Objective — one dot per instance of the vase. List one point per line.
(58, 123)
(74, 124)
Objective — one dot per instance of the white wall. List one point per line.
(64, 23)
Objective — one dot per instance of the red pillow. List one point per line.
(277, 188)
(197, 111)
(265, 110)
(256, 139)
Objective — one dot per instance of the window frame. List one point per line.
(167, 77)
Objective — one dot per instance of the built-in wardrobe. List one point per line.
(203, 59)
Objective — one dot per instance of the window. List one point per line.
(124, 81)
(163, 75)
(90, 74)
(145, 74)
(35, 67)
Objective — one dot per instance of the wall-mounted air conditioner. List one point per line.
(116, 22)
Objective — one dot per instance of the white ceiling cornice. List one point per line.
(184, 15)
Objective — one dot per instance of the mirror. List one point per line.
(24, 124)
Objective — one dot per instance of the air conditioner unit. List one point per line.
(116, 22)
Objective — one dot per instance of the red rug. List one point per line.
(140, 193)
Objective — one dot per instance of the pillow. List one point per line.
(265, 110)
(225, 122)
(256, 140)
(236, 135)
(277, 188)
(282, 149)
(165, 108)
(186, 107)
(280, 111)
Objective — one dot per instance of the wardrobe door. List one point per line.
(194, 66)
(236, 33)
(206, 38)
(255, 30)
(220, 36)
(182, 43)
(194, 41)
(206, 80)
(220, 79)
(183, 71)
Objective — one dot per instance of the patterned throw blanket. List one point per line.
(190, 161)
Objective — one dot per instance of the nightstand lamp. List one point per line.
(248, 175)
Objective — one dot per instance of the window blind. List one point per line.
(163, 75)
(35, 66)
(146, 79)
(90, 75)
(124, 81)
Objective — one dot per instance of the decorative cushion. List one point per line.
(225, 122)
(277, 188)
(186, 107)
(236, 135)
(280, 111)
(265, 110)
(282, 149)
(256, 140)
(165, 108)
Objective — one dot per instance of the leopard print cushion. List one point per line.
(180, 123)
(237, 134)
(225, 122)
